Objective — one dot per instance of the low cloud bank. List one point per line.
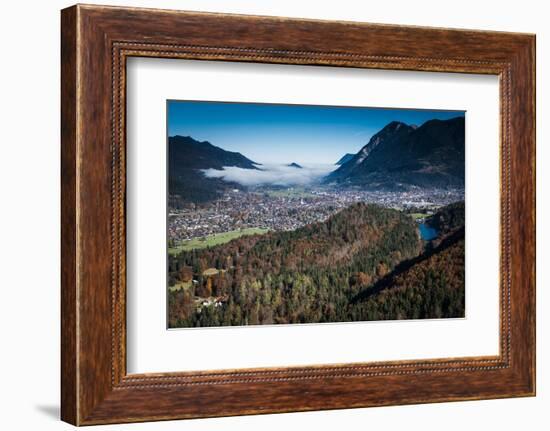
(275, 175)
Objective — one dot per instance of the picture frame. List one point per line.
(96, 42)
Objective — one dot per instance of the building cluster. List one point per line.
(289, 209)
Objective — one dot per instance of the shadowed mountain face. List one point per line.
(187, 157)
(187, 153)
(400, 156)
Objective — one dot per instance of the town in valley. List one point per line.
(294, 214)
(283, 209)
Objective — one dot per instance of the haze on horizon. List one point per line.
(282, 134)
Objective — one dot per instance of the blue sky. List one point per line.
(271, 133)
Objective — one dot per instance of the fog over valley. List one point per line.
(283, 175)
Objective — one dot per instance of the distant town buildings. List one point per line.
(282, 210)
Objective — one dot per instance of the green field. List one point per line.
(416, 216)
(216, 239)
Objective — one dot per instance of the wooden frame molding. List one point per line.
(95, 43)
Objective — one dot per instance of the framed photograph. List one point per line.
(267, 215)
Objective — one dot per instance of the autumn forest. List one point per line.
(364, 263)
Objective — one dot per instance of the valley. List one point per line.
(373, 235)
(282, 209)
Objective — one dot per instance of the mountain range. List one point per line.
(401, 155)
(187, 157)
(398, 157)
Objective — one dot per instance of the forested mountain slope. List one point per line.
(363, 263)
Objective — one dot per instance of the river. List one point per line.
(427, 233)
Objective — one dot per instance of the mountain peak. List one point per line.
(394, 125)
(429, 155)
(230, 158)
(294, 165)
(391, 131)
(182, 138)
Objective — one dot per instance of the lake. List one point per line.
(426, 232)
